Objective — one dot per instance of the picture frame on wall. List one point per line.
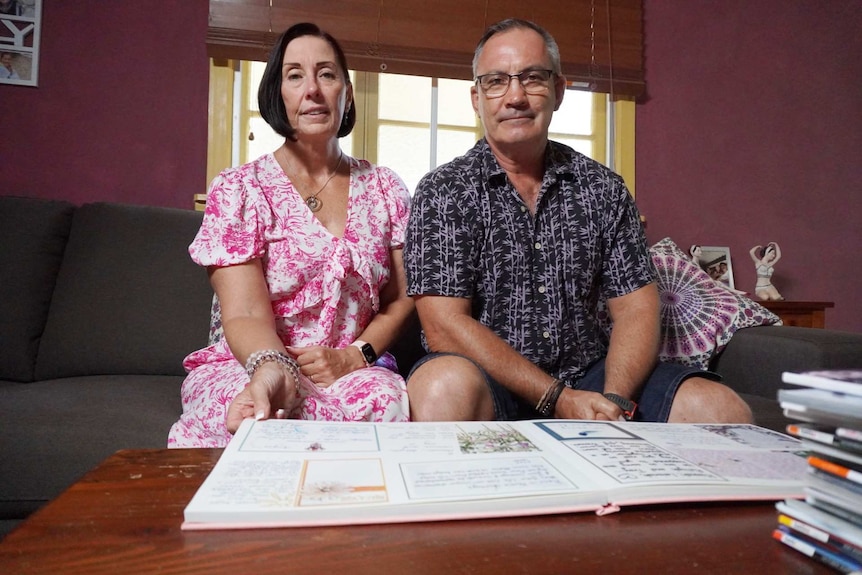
(715, 261)
(20, 29)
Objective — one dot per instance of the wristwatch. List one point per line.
(368, 352)
(627, 405)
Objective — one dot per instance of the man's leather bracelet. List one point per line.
(548, 401)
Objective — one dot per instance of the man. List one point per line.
(509, 250)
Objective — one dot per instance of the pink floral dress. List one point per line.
(324, 290)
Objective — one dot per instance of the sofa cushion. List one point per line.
(698, 314)
(755, 358)
(129, 299)
(54, 431)
(34, 237)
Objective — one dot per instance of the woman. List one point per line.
(696, 254)
(303, 247)
(764, 261)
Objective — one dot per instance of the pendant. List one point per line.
(313, 204)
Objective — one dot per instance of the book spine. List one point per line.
(854, 434)
(809, 433)
(815, 552)
(822, 536)
(835, 469)
(828, 503)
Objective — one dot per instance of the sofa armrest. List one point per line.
(754, 359)
(34, 237)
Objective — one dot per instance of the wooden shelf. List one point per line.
(800, 313)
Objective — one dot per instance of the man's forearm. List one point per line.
(633, 349)
(631, 358)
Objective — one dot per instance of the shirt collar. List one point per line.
(557, 163)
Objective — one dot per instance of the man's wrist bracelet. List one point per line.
(548, 401)
(263, 356)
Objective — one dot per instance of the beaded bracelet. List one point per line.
(549, 399)
(263, 356)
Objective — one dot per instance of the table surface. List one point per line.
(125, 515)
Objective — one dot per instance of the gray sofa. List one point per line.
(99, 304)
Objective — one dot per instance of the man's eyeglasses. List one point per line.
(532, 81)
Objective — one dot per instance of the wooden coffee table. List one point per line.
(124, 517)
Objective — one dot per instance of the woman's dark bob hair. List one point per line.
(269, 95)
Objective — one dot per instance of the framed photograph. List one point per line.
(20, 28)
(715, 261)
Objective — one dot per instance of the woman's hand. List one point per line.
(323, 365)
(271, 392)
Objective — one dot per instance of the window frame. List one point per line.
(612, 131)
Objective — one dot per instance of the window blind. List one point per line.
(601, 41)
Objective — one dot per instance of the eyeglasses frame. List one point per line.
(550, 72)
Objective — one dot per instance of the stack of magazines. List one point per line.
(827, 524)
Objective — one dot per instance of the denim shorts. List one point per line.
(654, 403)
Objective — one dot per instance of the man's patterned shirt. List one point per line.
(535, 280)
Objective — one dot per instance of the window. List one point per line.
(415, 134)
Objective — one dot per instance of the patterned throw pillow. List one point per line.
(698, 315)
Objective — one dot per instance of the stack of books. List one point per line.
(827, 524)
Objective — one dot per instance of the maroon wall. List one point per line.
(751, 132)
(120, 113)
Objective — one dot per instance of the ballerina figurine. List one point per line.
(764, 259)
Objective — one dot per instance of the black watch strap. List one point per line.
(627, 405)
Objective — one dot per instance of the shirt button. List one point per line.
(546, 334)
(541, 289)
(523, 208)
(538, 245)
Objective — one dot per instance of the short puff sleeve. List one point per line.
(231, 231)
(397, 198)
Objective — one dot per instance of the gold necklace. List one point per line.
(311, 201)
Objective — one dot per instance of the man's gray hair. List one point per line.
(516, 23)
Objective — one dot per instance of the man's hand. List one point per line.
(270, 391)
(575, 404)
